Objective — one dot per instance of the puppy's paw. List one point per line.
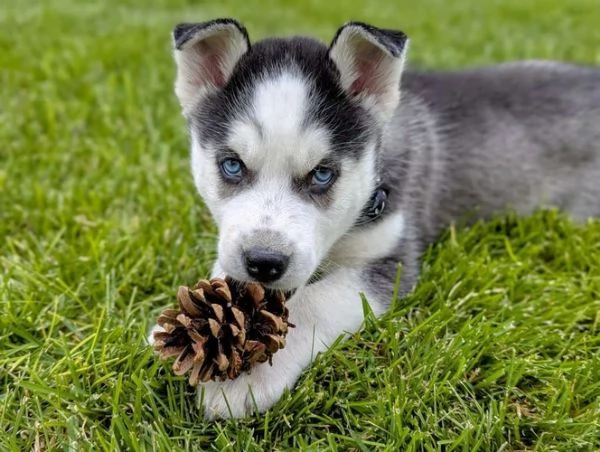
(150, 339)
(244, 396)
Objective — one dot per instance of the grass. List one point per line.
(498, 348)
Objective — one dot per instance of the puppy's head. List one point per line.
(284, 137)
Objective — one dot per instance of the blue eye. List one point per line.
(322, 176)
(232, 168)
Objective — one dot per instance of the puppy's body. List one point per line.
(291, 139)
(519, 135)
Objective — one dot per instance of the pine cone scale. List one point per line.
(199, 354)
(186, 303)
(184, 362)
(168, 316)
(219, 313)
(215, 327)
(169, 352)
(239, 317)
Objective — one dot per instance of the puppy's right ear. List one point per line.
(206, 54)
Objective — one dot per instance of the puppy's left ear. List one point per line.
(370, 61)
(206, 54)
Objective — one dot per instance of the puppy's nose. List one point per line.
(265, 265)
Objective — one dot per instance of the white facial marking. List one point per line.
(277, 140)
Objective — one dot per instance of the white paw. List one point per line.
(244, 395)
(154, 329)
(247, 394)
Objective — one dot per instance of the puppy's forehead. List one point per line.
(278, 131)
(284, 91)
(280, 105)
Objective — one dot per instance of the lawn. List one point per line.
(498, 348)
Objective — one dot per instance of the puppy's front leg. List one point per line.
(321, 312)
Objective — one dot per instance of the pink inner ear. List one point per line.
(358, 86)
(367, 66)
(209, 70)
(214, 69)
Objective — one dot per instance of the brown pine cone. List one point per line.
(222, 328)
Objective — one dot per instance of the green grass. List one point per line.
(497, 349)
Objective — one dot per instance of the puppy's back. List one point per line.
(518, 135)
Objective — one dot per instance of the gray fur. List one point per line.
(467, 145)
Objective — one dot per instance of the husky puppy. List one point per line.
(325, 167)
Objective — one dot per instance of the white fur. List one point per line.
(276, 140)
(320, 319)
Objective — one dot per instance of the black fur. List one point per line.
(182, 33)
(393, 41)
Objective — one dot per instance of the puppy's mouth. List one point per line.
(270, 287)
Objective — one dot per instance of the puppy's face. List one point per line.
(284, 140)
(282, 182)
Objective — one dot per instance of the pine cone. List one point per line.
(222, 328)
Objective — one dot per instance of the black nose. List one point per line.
(265, 265)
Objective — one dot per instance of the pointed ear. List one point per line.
(206, 54)
(370, 61)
